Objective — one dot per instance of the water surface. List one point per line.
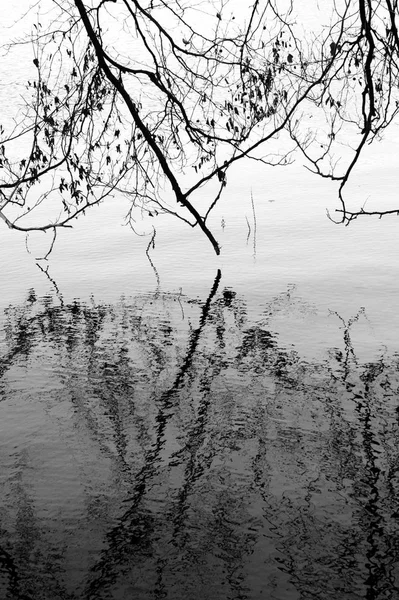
(205, 427)
(171, 447)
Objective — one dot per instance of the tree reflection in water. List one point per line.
(166, 447)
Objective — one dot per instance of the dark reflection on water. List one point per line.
(166, 447)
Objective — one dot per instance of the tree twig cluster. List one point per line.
(158, 99)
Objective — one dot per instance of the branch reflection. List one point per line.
(167, 447)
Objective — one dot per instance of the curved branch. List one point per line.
(118, 85)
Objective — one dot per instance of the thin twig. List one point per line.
(249, 228)
(57, 289)
(254, 218)
(151, 244)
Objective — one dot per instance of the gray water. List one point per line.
(214, 428)
(171, 447)
(202, 427)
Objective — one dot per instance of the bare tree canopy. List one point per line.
(157, 99)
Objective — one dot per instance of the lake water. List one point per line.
(216, 427)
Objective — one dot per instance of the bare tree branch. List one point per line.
(149, 101)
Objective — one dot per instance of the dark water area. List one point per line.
(173, 447)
